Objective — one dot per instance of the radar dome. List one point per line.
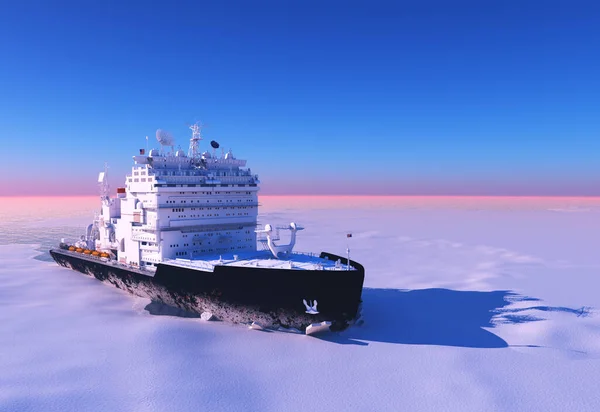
(154, 152)
(206, 155)
(180, 153)
(164, 138)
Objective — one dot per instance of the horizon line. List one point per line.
(351, 195)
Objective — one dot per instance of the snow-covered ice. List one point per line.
(469, 305)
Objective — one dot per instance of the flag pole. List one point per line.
(348, 235)
(348, 262)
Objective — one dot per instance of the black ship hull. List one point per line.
(272, 298)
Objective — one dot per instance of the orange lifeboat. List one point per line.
(87, 252)
(72, 248)
(95, 253)
(79, 250)
(104, 255)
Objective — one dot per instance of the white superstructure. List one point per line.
(196, 209)
(176, 205)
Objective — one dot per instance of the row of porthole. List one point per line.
(218, 201)
(209, 215)
(220, 249)
(200, 243)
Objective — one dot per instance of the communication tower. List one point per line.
(194, 151)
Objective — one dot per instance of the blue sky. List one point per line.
(329, 97)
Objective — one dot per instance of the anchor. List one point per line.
(312, 308)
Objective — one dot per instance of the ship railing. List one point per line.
(191, 223)
(194, 264)
(311, 254)
(341, 266)
(189, 205)
(143, 237)
(262, 237)
(234, 179)
(201, 179)
(183, 179)
(216, 162)
(154, 258)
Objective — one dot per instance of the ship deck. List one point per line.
(262, 259)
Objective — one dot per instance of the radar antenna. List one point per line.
(194, 151)
(215, 145)
(165, 139)
(103, 183)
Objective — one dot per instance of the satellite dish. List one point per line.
(164, 138)
(214, 144)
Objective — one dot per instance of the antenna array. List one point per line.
(194, 151)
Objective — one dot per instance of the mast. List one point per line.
(348, 261)
(194, 151)
(103, 183)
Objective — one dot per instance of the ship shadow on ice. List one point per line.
(440, 317)
(162, 309)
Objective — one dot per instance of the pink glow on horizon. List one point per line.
(35, 208)
(409, 202)
(74, 186)
(38, 207)
(432, 186)
(84, 185)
